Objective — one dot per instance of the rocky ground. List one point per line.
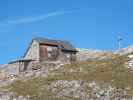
(108, 76)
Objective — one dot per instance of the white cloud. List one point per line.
(38, 18)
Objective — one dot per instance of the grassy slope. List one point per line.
(112, 72)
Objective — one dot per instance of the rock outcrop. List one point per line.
(90, 54)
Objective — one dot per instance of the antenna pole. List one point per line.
(120, 39)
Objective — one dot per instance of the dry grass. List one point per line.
(111, 71)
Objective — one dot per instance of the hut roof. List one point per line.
(64, 45)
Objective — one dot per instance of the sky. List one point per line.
(93, 24)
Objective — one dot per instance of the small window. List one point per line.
(52, 53)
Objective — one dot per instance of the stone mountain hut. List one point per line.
(47, 50)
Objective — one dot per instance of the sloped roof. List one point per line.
(20, 60)
(64, 45)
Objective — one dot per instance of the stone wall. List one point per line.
(33, 51)
(48, 53)
(67, 57)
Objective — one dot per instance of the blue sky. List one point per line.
(86, 23)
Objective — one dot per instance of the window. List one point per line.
(52, 53)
